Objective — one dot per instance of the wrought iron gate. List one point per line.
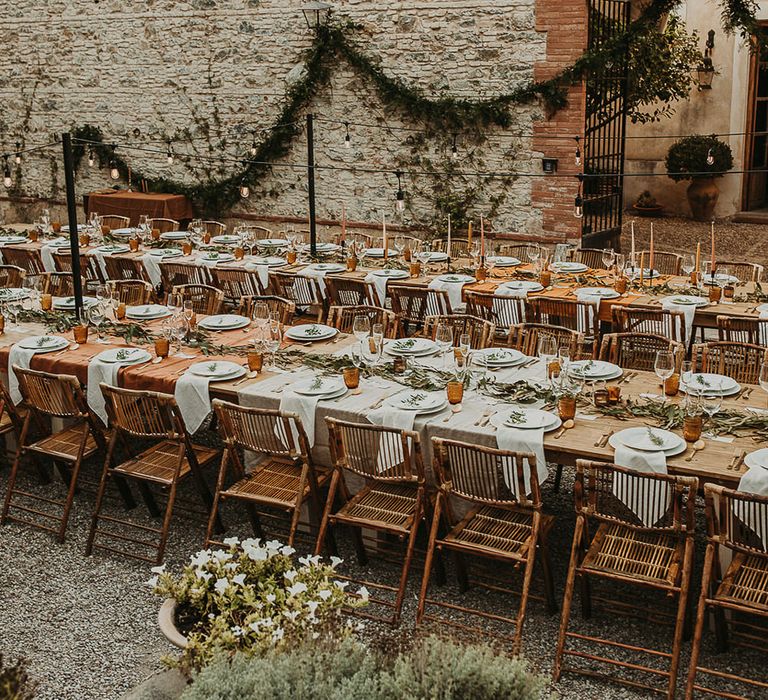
(604, 131)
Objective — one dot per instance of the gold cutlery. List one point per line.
(249, 375)
(733, 461)
(487, 418)
(528, 363)
(603, 441)
(740, 462)
(486, 412)
(378, 403)
(697, 447)
(560, 433)
(746, 393)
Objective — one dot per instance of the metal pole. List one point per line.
(74, 242)
(311, 184)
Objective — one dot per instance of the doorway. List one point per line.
(755, 191)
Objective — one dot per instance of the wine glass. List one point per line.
(533, 252)
(361, 327)
(444, 338)
(607, 258)
(564, 356)
(97, 316)
(274, 341)
(664, 366)
(261, 312)
(688, 263)
(102, 293)
(712, 399)
(399, 245)
(546, 348)
(188, 310)
(174, 302)
(723, 277)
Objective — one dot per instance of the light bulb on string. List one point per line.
(91, 158)
(169, 154)
(18, 153)
(7, 181)
(114, 173)
(254, 146)
(400, 196)
(578, 207)
(710, 157)
(454, 149)
(245, 191)
(578, 152)
(347, 138)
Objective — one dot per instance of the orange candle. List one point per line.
(650, 254)
(384, 235)
(642, 264)
(698, 257)
(482, 237)
(469, 235)
(713, 248)
(343, 223)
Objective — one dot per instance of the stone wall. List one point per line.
(207, 65)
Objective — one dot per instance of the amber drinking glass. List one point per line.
(255, 361)
(566, 408)
(351, 377)
(81, 334)
(455, 392)
(162, 347)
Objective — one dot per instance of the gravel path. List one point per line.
(88, 625)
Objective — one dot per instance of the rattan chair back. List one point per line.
(349, 291)
(637, 350)
(236, 282)
(480, 331)
(123, 268)
(740, 361)
(56, 395)
(28, 259)
(131, 292)
(284, 308)
(164, 225)
(205, 299)
(342, 318)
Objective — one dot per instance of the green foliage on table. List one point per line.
(431, 668)
(690, 153)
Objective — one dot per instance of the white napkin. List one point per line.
(585, 321)
(152, 266)
(193, 399)
(262, 271)
(512, 293)
(391, 418)
(98, 372)
(21, 357)
(315, 274)
(646, 463)
(453, 289)
(764, 328)
(520, 440)
(380, 285)
(46, 253)
(688, 311)
(755, 480)
(305, 407)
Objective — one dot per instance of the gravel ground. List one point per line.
(734, 242)
(88, 624)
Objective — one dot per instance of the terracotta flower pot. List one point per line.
(702, 196)
(166, 620)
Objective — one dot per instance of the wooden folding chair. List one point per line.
(745, 329)
(459, 247)
(642, 538)
(131, 292)
(11, 415)
(391, 501)
(205, 299)
(664, 322)
(59, 284)
(123, 268)
(343, 318)
(665, 263)
(164, 225)
(12, 275)
(138, 417)
(284, 479)
(174, 274)
(89, 267)
(503, 524)
(236, 283)
(413, 304)
(302, 291)
(738, 523)
(591, 257)
(525, 338)
(28, 259)
(577, 315)
(637, 350)
(215, 228)
(480, 332)
(521, 251)
(350, 291)
(740, 361)
(503, 312)
(284, 308)
(744, 271)
(48, 396)
(112, 221)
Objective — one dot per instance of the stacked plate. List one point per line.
(687, 300)
(165, 252)
(604, 292)
(68, 303)
(112, 249)
(521, 286)
(58, 242)
(124, 356)
(65, 228)
(526, 419)
(594, 370)
(710, 385)
(225, 239)
(435, 256)
(272, 243)
(326, 267)
(758, 458)
(13, 294)
(420, 402)
(649, 440)
(11, 240)
(498, 357)
(503, 261)
(456, 279)
(174, 235)
(271, 260)
(219, 371)
(147, 312)
(720, 280)
(213, 257)
(634, 272)
(324, 387)
(43, 343)
(391, 274)
(224, 322)
(411, 347)
(310, 331)
(569, 267)
(127, 232)
(379, 253)
(322, 248)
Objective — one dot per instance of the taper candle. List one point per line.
(384, 234)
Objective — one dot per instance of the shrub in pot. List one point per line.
(646, 204)
(700, 159)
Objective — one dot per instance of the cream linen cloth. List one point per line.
(688, 311)
(261, 270)
(520, 440)
(755, 480)
(21, 357)
(193, 398)
(513, 294)
(152, 266)
(646, 463)
(379, 284)
(585, 323)
(99, 372)
(764, 328)
(318, 275)
(305, 407)
(46, 253)
(391, 418)
(452, 288)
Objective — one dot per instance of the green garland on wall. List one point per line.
(444, 114)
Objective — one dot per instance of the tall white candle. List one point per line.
(632, 252)
(448, 246)
(384, 234)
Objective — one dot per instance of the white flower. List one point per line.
(158, 569)
(278, 634)
(312, 605)
(255, 625)
(231, 541)
(231, 565)
(239, 579)
(287, 551)
(271, 597)
(237, 631)
(297, 588)
(221, 585)
(341, 584)
(250, 542)
(201, 558)
(306, 561)
(335, 561)
(292, 615)
(292, 574)
(315, 635)
(205, 575)
(324, 594)
(274, 546)
(152, 582)
(363, 593)
(221, 556)
(255, 553)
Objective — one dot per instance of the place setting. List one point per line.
(594, 370)
(500, 358)
(302, 398)
(224, 322)
(709, 384)
(104, 368)
(310, 332)
(192, 390)
(22, 352)
(147, 312)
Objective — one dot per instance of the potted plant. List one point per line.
(646, 204)
(251, 598)
(700, 159)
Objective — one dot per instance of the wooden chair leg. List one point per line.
(362, 555)
(407, 563)
(701, 613)
(570, 583)
(461, 571)
(527, 577)
(125, 492)
(166, 522)
(324, 520)
(70, 497)
(10, 486)
(682, 606)
(97, 510)
(431, 550)
(149, 499)
(586, 597)
(558, 477)
(253, 516)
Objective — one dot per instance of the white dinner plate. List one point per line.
(165, 252)
(124, 356)
(419, 401)
(43, 343)
(456, 279)
(720, 279)
(391, 274)
(503, 261)
(526, 419)
(569, 267)
(119, 231)
(648, 439)
(758, 458)
(594, 369)
(147, 312)
(634, 272)
(310, 331)
(604, 292)
(686, 300)
(217, 257)
(411, 347)
(219, 370)
(437, 256)
(762, 309)
(65, 228)
(113, 249)
(67, 303)
(379, 253)
(272, 242)
(10, 240)
(711, 384)
(522, 286)
(327, 267)
(321, 247)
(174, 235)
(223, 322)
(225, 239)
(13, 293)
(615, 442)
(498, 357)
(270, 260)
(319, 386)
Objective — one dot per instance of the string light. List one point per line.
(245, 190)
(169, 154)
(7, 181)
(454, 149)
(347, 139)
(578, 204)
(578, 151)
(400, 196)
(114, 173)
(91, 158)
(254, 146)
(18, 153)
(710, 157)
